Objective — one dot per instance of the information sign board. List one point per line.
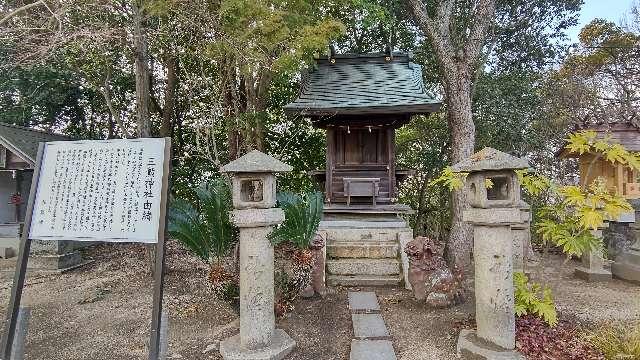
(109, 190)
(99, 191)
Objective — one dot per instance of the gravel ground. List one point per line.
(102, 311)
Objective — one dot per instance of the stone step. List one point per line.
(362, 249)
(372, 350)
(364, 234)
(363, 280)
(369, 326)
(363, 266)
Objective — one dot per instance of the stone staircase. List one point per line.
(364, 251)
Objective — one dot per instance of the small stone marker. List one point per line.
(592, 267)
(372, 350)
(254, 198)
(362, 301)
(494, 210)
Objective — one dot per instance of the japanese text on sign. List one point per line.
(99, 191)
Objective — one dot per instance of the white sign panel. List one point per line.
(99, 191)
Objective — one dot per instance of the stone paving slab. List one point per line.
(372, 350)
(363, 301)
(369, 326)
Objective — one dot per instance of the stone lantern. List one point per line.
(254, 198)
(493, 191)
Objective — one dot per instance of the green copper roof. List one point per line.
(363, 84)
(24, 141)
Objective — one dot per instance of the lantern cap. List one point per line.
(490, 159)
(256, 162)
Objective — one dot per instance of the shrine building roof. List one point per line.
(24, 141)
(376, 83)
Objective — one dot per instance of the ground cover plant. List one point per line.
(616, 341)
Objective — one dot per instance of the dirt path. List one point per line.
(102, 311)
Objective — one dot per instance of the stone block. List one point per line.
(369, 326)
(368, 250)
(363, 267)
(362, 234)
(363, 301)
(470, 347)
(281, 345)
(494, 217)
(250, 218)
(55, 262)
(592, 275)
(627, 267)
(363, 280)
(372, 350)
(404, 238)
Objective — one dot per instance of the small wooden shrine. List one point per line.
(620, 179)
(360, 100)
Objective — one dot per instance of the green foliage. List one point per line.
(451, 180)
(587, 142)
(617, 341)
(302, 218)
(205, 229)
(532, 298)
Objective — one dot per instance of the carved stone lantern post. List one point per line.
(255, 214)
(493, 191)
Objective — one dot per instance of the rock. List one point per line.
(211, 347)
(431, 280)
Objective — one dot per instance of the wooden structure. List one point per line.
(361, 100)
(18, 152)
(619, 178)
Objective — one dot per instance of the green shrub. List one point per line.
(617, 342)
(529, 301)
(302, 218)
(205, 228)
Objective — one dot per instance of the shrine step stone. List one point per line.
(372, 350)
(363, 301)
(363, 266)
(362, 249)
(363, 280)
(373, 234)
(369, 326)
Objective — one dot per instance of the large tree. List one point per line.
(474, 38)
(457, 41)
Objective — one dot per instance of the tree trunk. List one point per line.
(169, 97)
(462, 144)
(142, 73)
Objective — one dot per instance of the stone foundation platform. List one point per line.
(365, 249)
(281, 345)
(471, 347)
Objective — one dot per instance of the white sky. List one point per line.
(612, 10)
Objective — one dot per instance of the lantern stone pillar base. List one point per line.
(593, 268)
(470, 346)
(54, 256)
(281, 345)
